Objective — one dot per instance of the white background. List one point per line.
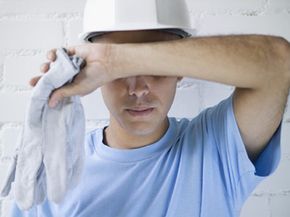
(28, 28)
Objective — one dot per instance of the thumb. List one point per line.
(79, 50)
(59, 94)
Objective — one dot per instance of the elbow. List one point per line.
(287, 54)
(280, 48)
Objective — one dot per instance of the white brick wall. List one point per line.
(35, 34)
(222, 6)
(15, 76)
(28, 28)
(16, 7)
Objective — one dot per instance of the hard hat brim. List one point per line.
(181, 31)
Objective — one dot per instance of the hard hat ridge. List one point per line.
(101, 16)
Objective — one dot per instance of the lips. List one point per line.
(140, 111)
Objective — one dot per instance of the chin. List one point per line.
(141, 129)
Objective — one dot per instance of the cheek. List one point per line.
(112, 93)
(108, 96)
(166, 92)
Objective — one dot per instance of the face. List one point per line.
(139, 104)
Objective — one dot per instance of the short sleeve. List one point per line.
(241, 175)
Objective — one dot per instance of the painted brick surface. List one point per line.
(250, 207)
(287, 111)
(30, 34)
(224, 5)
(279, 205)
(285, 144)
(186, 103)
(19, 70)
(13, 106)
(74, 29)
(278, 5)
(9, 137)
(212, 93)
(237, 24)
(94, 106)
(15, 7)
(278, 182)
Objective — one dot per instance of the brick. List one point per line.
(212, 93)
(250, 207)
(19, 70)
(285, 139)
(287, 111)
(279, 205)
(30, 34)
(12, 7)
(90, 125)
(2, 57)
(94, 106)
(74, 29)
(277, 5)
(13, 106)
(277, 182)
(224, 5)
(9, 138)
(1, 68)
(226, 24)
(186, 103)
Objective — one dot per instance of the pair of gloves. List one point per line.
(49, 156)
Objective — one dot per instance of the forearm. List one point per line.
(248, 61)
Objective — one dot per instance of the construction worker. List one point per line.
(147, 164)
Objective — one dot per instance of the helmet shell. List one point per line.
(101, 16)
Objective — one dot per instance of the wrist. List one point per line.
(126, 60)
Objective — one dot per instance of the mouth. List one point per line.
(140, 112)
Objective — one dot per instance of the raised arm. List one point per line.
(258, 66)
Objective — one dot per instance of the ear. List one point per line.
(179, 78)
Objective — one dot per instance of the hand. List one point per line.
(48, 159)
(96, 72)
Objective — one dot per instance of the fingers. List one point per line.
(65, 91)
(51, 55)
(34, 81)
(44, 67)
(71, 51)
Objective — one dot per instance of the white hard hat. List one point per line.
(101, 16)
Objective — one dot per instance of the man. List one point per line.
(146, 164)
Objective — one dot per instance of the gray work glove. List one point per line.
(49, 157)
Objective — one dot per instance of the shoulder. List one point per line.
(208, 120)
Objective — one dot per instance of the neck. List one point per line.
(116, 136)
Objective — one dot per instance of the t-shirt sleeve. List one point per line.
(241, 175)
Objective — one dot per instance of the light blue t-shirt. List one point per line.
(199, 168)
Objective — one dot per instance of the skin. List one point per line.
(134, 93)
(257, 65)
(137, 92)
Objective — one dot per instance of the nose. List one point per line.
(138, 86)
